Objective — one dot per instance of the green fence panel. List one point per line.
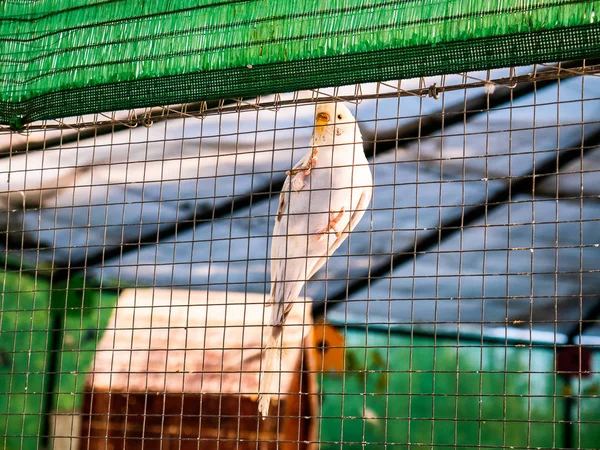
(433, 393)
(586, 408)
(68, 57)
(24, 341)
(48, 336)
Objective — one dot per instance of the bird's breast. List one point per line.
(329, 188)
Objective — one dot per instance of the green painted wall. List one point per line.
(399, 390)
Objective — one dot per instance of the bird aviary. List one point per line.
(143, 149)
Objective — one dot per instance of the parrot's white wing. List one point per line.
(359, 211)
(283, 201)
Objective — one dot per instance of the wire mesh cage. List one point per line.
(461, 311)
(408, 259)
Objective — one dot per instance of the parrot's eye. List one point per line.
(340, 116)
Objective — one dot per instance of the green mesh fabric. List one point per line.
(68, 57)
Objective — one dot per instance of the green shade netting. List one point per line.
(69, 57)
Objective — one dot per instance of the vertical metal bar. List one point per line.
(52, 369)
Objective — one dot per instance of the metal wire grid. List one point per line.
(407, 124)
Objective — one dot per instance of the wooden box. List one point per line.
(179, 370)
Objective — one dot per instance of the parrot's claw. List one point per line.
(332, 225)
(311, 163)
(299, 175)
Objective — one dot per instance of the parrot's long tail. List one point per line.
(271, 369)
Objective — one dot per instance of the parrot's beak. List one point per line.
(322, 120)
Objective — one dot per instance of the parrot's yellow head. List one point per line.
(335, 118)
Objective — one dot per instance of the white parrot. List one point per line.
(323, 198)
